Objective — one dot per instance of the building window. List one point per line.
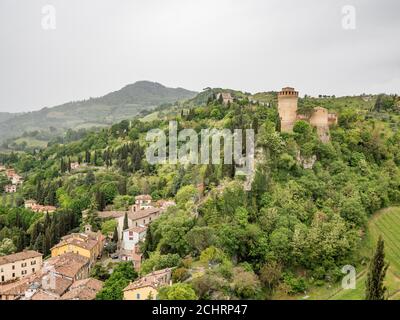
(13, 275)
(33, 269)
(33, 263)
(13, 267)
(23, 265)
(138, 296)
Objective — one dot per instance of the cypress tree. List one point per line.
(87, 156)
(115, 235)
(35, 233)
(126, 225)
(375, 289)
(38, 246)
(62, 167)
(47, 221)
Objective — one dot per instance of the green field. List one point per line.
(387, 224)
(31, 142)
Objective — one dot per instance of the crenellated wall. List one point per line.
(287, 109)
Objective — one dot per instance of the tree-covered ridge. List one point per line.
(297, 227)
(132, 100)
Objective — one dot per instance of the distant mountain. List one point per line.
(130, 101)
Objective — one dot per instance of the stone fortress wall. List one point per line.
(287, 109)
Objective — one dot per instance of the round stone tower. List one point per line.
(287, 108)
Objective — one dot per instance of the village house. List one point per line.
(57, 276)
(88, 244)
(83, 290)
(28, 204)
(16, 289)
(43, 209)
(75, 165)
(137, 258)
(10, 188)
(226, 97)
(19, 265)
(147, 287)
(165, 204)
(52, 281)
(32, 204)
(16, 179)
(47, 287)
(70, 266)
(10, 173)
(135, 217)
(143, 202)
(132, 236)
(134, 255)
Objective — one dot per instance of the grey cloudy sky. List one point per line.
(99, 46)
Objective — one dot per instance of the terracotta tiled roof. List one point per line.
(140, 214)
(144, 197)
(90, 283)
(78, 239)
(42, 295)
(83, 290)
(137, 229)
(133, 215)
(111, 214)
(56, 284)
(19, 256)
(165, 203)
(39, 207)
(15, 288)
(149, 280)
(68, 264)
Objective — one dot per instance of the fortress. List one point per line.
(287, 109)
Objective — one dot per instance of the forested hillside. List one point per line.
(294, 230)
(130, 101)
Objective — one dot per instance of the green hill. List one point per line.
(130, 101)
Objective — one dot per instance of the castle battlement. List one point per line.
(288, 91)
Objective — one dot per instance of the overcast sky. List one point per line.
(99, 46)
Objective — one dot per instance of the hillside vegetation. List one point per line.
(289, 235)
